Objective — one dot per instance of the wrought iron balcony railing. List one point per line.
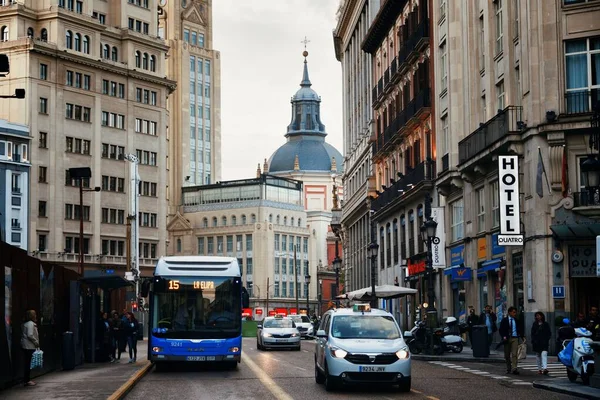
(581, 101)
(588, 198)
(410, 45)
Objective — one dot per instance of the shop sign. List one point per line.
(496, 249)
(481, 248)
(461, 274)
(582, 261)
(558, 292)
(417, 267)
(510, 223)
(457, 254)
(438, 251)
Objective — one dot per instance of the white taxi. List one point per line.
(361, 345)
(305, 326)
(277, 331)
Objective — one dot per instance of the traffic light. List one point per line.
(134, 307)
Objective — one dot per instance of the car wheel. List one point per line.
(404, 385)
(331, 382)
(319, 377)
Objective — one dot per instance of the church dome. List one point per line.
(306, 149)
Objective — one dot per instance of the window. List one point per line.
(113, 247)
(16, 183)
(44, 35)
(68, 40)
(200, 40)
(114, 54)
(153, 63)
(443, 68)
(517, 14)
(457, 220)
(145, 61)
(69, 79)
(194, 37)
(4, 33)
(87, 82)
(102, 19)
(495, 205)
(113, 184)
(500, 95)
(41, 243)
(480, 200)
(42, 208)
(499, 28)
(186, 35)
(43, 174)
(79, 7)
(248, 242)
(77, 42)
(43, 105)
(442, 9)
(481, 44)
(138, 59)
(224, 221)
(583, 74)
(43, 140)
(30, 32)
(43, 72)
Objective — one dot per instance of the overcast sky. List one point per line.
(261, 69)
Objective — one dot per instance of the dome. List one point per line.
(314, 154)
(306, 149)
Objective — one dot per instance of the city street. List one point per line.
(284, 374)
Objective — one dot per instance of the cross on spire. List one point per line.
(305, 41)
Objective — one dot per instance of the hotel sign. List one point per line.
(438, 251)
(510, 221)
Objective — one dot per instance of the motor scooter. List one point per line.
(450, 339)
(416, 338)
(577, 354)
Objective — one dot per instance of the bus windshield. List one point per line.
(196, 308)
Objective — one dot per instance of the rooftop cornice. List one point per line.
(383, 22)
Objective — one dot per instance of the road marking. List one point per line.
(431, 397)
(306, 351)
(521, 383)
(416, 391)
(269, 383)
(303, 369)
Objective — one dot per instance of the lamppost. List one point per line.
(590, 168)
(428, 230)
(81, 174)
(337, 263)
(296, 275)
(307, 281)
(320, 297)
(373, 250)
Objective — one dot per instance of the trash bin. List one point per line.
(68, 351)
(140, 332)
(479, 336)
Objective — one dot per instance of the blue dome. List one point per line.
(314, 154)
(306, 93)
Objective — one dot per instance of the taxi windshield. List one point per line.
(278, 323)
(364, 327)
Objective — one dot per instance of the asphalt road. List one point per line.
(285, 375)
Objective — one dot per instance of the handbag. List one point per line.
(37, 359)
(522, 351)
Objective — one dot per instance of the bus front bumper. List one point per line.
(194, 358)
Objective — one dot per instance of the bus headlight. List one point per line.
(157, 349)
(402, 354)
(233, 349)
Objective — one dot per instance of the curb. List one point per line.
(553, 388)
(492, 360)
(125, 388)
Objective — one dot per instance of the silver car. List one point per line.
(277, 332)
(361, 345)
(304, 325)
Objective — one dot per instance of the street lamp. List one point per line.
(337, 262)
(81, 174)
(428, 230)
(307, 281)
(373, 250)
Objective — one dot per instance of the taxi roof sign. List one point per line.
(361, 307)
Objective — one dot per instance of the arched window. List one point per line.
(4, 33)
(145, 61)
(68, 40)
(77, 42)
(299, 221)
(234, 220)
(224, 221)
(44, 35)
(106, 52)
(214, 222)
(271, 218)
(285, 221)
(86, 44)
(138, 59)
(115, 54)
(205, 223)
(243, 219)
(30, 32)
(153, 63)
(179, 245)
(278, 220)
(253, 218)
(292, 221)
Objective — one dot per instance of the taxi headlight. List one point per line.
(295, 335)
(267, 335)
(338, 353)
(156, 349)
(402, 354)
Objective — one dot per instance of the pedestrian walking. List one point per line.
(540, 339)
(511, 330)
(29, 343)
(132, 332)
(488, 318)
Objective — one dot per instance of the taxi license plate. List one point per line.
(200, 358)
(371, 369)
(281, 340)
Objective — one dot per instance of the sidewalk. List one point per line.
(88, 381)
(496, 356)
(566, 387)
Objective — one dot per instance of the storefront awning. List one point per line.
(490, 265)
(576, 230)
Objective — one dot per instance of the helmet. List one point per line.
(450, 320)
(566, 321)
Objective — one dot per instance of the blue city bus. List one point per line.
(195, 307)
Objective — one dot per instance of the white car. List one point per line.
(361, 345)
(277, 332)
(304, 324)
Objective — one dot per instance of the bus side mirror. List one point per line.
(145, 288)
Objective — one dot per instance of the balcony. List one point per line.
(374, 95)
(386, 78)
(418, 107)
(421, 176)
(446, 162)
(418, 40)
(506, 122)
(581, 101)
(587, 203)
(394, 71)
